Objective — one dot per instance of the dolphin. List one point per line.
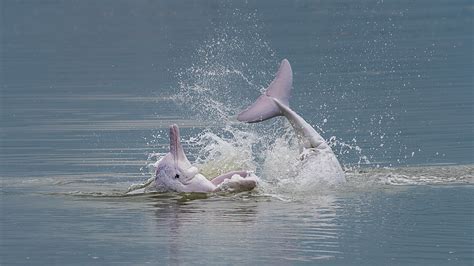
(316, 154)
(175, 173)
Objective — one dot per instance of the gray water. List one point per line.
(88, 90)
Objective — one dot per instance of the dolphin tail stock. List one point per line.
(275, 102)
(265, 107)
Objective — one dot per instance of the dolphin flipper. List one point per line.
(264, 107)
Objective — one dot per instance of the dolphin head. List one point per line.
(174, 171)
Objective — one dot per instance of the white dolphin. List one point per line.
(175, 173)
(316, 153)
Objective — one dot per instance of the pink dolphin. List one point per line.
(174, 172)
(317, 155)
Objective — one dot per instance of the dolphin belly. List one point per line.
(199, 183)
(321, 164)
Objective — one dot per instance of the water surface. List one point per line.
(89, 88)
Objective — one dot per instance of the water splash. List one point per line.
(221, 153)
(211, 89)
(225, 75)
(232, 61)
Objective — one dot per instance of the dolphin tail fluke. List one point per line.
(264, 107)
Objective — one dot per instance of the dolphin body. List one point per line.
(316, 154)
(175, 173)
